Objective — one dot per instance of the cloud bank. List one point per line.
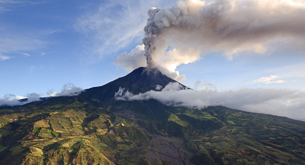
(280, 102)
(14, 100)
(185, 32)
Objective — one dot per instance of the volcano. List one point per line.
(139, 80)
(94, 128)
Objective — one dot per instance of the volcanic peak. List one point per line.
(140, 80)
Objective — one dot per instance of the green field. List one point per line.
(93, 128)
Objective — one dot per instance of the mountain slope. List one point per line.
(93, 128)
(138, 81)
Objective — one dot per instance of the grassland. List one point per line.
(72, 130)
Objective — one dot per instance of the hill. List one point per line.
(94, 128)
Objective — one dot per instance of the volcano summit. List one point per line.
(138, 81)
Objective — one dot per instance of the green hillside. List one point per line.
(93, 128)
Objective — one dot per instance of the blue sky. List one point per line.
(46, 44)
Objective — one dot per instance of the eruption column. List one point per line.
(183, 33)
(151, 32)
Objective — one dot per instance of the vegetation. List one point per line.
(95, 129)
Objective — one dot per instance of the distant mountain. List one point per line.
(94, 128)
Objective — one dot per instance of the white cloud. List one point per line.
(115, 24)
(269, 80)
(132, 60)
(10, 1)
(26, 54)
(51, 93)
(171, 74)
(14, 43)
(13, 100)
(3, 57)
(158, 87)
(2, 9)
(33, 2)
(20, 97)
(281, 102)
(68, 89)
(6, 4)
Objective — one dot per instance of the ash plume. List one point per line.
(183, 33)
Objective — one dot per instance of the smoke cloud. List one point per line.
(190, 29)
(280, 102)
(14, 100)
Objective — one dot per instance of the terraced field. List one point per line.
(62, 137)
